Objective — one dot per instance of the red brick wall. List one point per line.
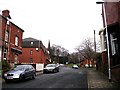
(112, 12)
(116, 74)
(3, 27)
(104, 57)
(13, 31)
(16, 31)
(37, 56)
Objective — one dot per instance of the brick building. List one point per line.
(10, 39)
(88, 63)
(33, 52)
(113, 26)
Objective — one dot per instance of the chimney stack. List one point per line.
(6, 14)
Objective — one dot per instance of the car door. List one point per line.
(27, 72)
(31, 71)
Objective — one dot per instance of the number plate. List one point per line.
(9, 77)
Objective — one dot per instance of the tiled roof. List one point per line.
(27, 43)
(30, 39)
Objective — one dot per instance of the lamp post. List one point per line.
(109, 69)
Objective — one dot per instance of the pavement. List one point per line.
(97, 79)
(39, 72)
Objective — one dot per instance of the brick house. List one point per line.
(113, 26)
(10, 39)
(33, 52)
(87, 63)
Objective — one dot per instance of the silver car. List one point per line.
(51, 68)
(20, 72)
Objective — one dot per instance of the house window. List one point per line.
(6, 36)
(31, 60)
(16, 40)
(105, 42)
(114, 44)
(5, 54)
(31, 43)
(31, 51)
(8, 22)
(16, 59)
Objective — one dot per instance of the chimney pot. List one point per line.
(6, 14)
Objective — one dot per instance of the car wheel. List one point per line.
(44, 72)
(34, 76)
(22, 77)
(6, 81)
(55, 70)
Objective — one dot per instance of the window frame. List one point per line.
(31, 52)
(31, 43)
(7, 36)
(114, 44)
(31, 60)
(16, 40)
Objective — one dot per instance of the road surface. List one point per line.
(65, 78)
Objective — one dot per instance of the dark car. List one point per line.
(51, 68)
(20, 72)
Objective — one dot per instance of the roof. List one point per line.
(12, 23)
(30, 39)
(17, 26)
(27, 43)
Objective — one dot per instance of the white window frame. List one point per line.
(105, 42)
(31, 51)
(113, 44)
(31, 43)
(8, 22)
(16, 40)
(7, 36)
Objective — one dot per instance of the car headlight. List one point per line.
(5, 74)
(16, 75)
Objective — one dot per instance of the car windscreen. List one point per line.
(19, 67)
(51, 65)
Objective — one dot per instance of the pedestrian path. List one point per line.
(99, 80)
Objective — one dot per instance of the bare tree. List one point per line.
(74, 58)
(86, 49)
(58, 51)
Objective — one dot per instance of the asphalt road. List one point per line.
(65, 78)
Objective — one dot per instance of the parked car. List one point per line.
(58, 65)
(75, 66)
(51, 68)
(61, 64)
(20, 72)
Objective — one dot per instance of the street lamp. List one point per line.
(109, 69)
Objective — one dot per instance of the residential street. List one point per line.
(65, 78)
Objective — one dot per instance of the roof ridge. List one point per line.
(30, 39)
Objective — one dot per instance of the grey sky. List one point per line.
(63, 22)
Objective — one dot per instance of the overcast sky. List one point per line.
(63, 22)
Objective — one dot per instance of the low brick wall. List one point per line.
(116, 73)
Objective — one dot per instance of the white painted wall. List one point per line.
(39, 67)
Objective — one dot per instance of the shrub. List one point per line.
(5, 66)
